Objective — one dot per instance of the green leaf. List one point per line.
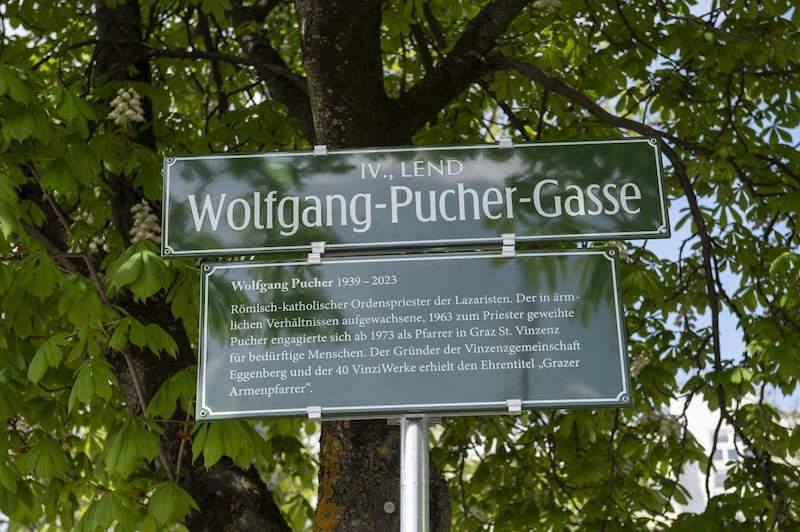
(158, 340)
(8, 475)
(148, 523)
(127, 273)
(59, 177)
(131, 443)
(47, 459)
(235, 439)
(783, 262)
(740, 375)
(81, 305)
(8, 193)
(138, 333)
(95, 378)
(12, 83)
(68, 106)
(112, 507)
(10, 402)
(23, 121)
(48, 355)
(214, 448)
(119, 338)
(9, 219)
(8, 502)
(45, 278)
(182, 297)
(169, 502)
(38, 367)
(22, 322)
(178, 389)
(199, 439)
(142, 271)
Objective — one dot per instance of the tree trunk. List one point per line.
(359, 479)
(359, 460)
(341, 45)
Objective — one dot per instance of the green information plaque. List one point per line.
(250, 204)
(445, 333)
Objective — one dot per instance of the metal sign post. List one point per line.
(414, 474)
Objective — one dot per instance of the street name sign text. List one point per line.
(380, 198)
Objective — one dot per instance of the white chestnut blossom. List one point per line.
(669, 426)
(96, 243)
(126, 107)
(638, 364)
(145, 223)
(548, 6)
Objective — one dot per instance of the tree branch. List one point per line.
(466, 62)
(574, 95)
(284, 85)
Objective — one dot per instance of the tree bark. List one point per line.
(231, 499)
(359, 460)
(341, 44)
(359, 479)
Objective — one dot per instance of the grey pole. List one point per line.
(414, 487)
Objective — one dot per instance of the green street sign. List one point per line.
(445, 333)
(250, 204)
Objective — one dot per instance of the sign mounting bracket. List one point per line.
(317, 250)
(509, 245)
(514, 406)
